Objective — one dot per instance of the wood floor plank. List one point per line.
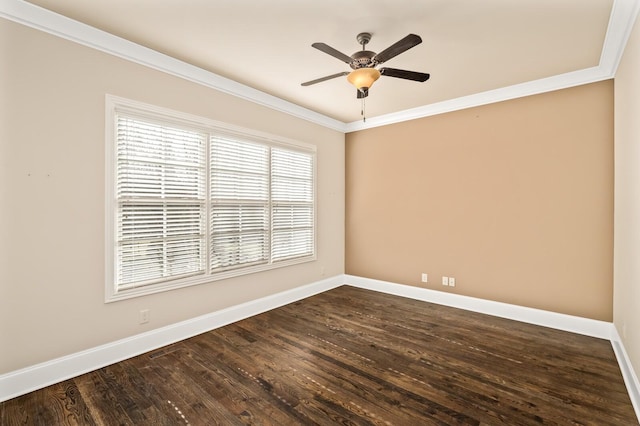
(181, 390)
(253, 394)
(69, 404)
(103, 404)
(353, 357)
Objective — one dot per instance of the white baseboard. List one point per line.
(585, 326)
(35, 377)
(628, 373)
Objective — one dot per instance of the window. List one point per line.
(192, 200)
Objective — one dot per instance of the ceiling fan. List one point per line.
(364, 63)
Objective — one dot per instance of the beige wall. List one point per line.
(513, 199)
(52, 130)
(626, 302)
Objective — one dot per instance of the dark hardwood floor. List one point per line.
(351, 357)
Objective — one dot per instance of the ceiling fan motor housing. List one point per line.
(363, 59)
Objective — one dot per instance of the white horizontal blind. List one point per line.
(239, 188)
(192, 200)
(161, 202)
(292, 204)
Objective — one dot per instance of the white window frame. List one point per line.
(116, 105)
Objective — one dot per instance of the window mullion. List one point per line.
(163, 192)
(270, 209)
(208, 205)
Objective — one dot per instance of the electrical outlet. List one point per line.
(425, 278)
(452, 282)
(144, 316)
(445, 281)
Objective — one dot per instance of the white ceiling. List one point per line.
(469, 46)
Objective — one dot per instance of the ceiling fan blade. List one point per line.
(333, 52)
(397, 48)
(321, 79)
(407, 75)
(362, 93)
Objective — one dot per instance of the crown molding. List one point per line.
(562, 81)
(623, 16)
(44, 20)
(621, 21)
(557, 82)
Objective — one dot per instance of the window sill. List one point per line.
(201, 279)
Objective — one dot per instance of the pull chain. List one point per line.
(362, 112)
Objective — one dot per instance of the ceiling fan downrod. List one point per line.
(363, 39)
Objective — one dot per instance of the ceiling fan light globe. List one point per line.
(363, 78)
